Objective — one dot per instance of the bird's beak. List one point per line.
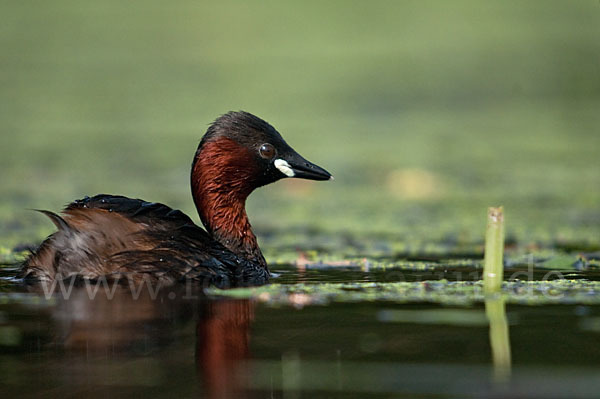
(294, 165)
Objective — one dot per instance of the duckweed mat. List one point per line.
(444, 292)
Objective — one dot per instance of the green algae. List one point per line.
(9, 256)
(443, 292)
(440, 120)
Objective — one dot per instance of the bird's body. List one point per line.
(116, 237)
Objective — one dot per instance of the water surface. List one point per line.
(180, 343)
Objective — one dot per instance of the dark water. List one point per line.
(177, 344)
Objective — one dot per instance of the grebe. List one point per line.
(109, 236)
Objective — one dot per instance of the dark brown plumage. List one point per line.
(116, 237)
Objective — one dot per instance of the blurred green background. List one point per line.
(426, 112)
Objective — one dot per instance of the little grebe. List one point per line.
(116, 237)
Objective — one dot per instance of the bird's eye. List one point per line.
(267, 151)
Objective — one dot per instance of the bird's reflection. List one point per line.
(121, 323)
(222, 343)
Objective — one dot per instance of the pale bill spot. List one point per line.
(284, 167)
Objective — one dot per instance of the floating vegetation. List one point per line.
(460, 293)
(9, 256)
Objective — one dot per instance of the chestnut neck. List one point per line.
(223, 176)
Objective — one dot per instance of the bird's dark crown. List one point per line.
(245, 129)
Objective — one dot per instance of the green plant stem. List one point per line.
(493, 269)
